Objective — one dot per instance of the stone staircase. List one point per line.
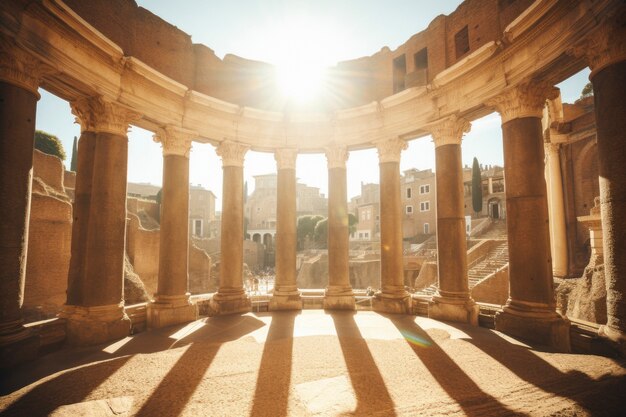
(495, 259)
(497, 230)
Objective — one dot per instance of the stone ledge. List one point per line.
(552, 330)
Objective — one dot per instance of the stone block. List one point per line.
(453, 310)
(219, 306)
(163, 314)
(95, 325)
(548, 329)
(391, 305)
(285, 302)
(20, 348)
(339, 302)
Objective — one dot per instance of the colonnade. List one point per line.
(94, 310)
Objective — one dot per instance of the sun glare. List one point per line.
(303, 47)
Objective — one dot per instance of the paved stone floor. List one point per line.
(313, 363)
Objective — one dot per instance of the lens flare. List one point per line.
(415, 339)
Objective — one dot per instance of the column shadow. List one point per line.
(271, 395)
(68, 388)
(369, 387)
(574, 385)
(176, 388)
(454, 381)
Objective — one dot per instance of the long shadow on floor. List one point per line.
(371, 392)
(590, 394)
(458, 385)
(76, 384)
(271, 395)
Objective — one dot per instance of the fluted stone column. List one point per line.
(231, 296)
(392, 297)
(95, 295)
(556, 205)
(605, 52)
(286, 295)
(338, 294)
(452, 301)
(19, 80)
(171, 303)
(530, 312)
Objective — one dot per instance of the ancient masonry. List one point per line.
(487, 56)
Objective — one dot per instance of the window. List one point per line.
(425, 206)
(421, 59)
(408, 209)
(461, 42)
(197, 227)
(399, 72)
(425, 189)
(408, 192)
(426, 228)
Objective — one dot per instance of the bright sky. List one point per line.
(311, 34)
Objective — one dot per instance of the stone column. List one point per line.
(605, 51)
(392, 297)
(171, 303)
(558, 230)
(231, 297)
(339, 293)
(286, 295)
(19, 80)
(452, 301)
(530, 312)
(95, 295)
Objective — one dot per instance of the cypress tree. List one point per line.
(74, 153)
(477, 188)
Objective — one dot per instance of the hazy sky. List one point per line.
(319, 33)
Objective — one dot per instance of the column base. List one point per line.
(399, 303)
(17, 345)
(285, 299)
(543, 327)
(616, 338)
(95, 325)
(229, 303)
(339, 298)
(453, 309)
(170, 310)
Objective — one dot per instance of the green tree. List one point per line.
(306, 228)
(477, 188)
(74, 162)
(49, 144)
(587, 91)
(352, 222)
(321, 233)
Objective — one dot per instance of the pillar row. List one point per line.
(338, 294)
(19, 80)
(452, 301)
(94, 308)
(231, 296)
(392, 297)
(530, 312)
(171, 303)
(605, 52)
(286, 295)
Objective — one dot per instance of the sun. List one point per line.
(303, 47)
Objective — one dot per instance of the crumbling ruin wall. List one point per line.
(142, 247)
(49, 240)
(199, 271)
(584, 298)
(494, 289)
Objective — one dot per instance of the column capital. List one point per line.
(286, 158)
(449, 131)
(232, 153)
(336, 156)
(524, 100)
(604, 47)
(19, 68)
(100, 115)
(175, 140)
(389, 150)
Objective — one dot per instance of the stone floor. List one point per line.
(314, 363)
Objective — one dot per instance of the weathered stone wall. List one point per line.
(142, 247)
(253, 254)
(49, 241)
(49, 169)
(166, 48)
(494, 289)
(200, 271)
(584, 298)
(427, 276)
